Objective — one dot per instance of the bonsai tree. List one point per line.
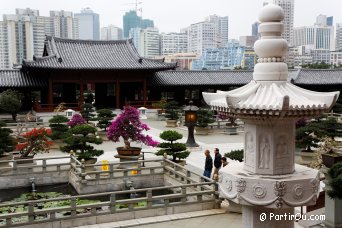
(235, 155)
(129, 127)
(172, 148)
(87, 111)
(327, 146)
(58, 126)
(335, 183)
(160, 104)
(75, 120)
(78, 140)
(306, 138)
(104, 116)
(171, 110)
(6, 140)
(10, 102)
(204, 117)
(328, 128)
(35, 141)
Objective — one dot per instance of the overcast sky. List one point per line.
(172, 15)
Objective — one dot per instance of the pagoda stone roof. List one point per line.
(19, 78)
(93, 55)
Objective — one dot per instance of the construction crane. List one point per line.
(138, 6)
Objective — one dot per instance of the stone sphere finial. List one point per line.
(271, 13)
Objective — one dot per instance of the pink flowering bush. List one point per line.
(76, 119)
(128, 126)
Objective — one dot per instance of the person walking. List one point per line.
(208, 164)
(224, 161)
(217, 162)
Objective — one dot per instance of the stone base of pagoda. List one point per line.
(300, 188)
(255, 217)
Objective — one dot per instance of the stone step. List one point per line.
(157, 219)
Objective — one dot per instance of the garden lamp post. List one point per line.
(190, 122)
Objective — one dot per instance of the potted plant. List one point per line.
(204, 118)
(75, 120)
(79, 139)
(160, 105)
(59, 128)
(10, 102)
(129, 127)
(235, 155)
(87, 112)
(335, 181)
(104, 116)
(171, 113)
(7, 142)
(328, 152)
(33, 142)
(306, 139)
(171, 147)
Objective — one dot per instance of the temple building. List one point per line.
(117, 75)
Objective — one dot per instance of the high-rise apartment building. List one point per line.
(132, 20)
(339, 37)
(149, 42)
(211, 33)
(22, 37)
(146, 41)
(288, 7)
(111, 32)
(317, 36)
(22, 34)
(89, 24)
(172, 43)
(62, 24)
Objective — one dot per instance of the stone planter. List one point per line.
(202, 130)
(231, 130)
(132, 151)
(306, 157)
(171, 123)
(330, 159)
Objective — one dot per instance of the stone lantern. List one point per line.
(190, 122)
(268, 183)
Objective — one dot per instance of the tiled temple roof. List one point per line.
(18, 78)
(205, 77)
(95, 55)
(319, 77)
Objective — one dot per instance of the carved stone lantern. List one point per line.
(190, 122)
(268, 182)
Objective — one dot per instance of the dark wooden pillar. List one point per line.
(145, 91)
(117, 94)
(81, 101)
(50, 94)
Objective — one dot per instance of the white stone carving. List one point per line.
(264, 153)
(259, 191)
(298, 191)
(250, 149)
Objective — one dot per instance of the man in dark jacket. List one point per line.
(208, 164)
(217, 161)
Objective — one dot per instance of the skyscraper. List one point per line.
(111, 32)
(330, 21)
(221, 25)
(288, 7)
(317, 36)
(89, 24)
(146, 41)
(255, 29)
(339, 36)
(132, 20)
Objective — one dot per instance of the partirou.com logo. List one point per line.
(289, 216)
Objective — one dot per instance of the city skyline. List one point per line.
(175, 16)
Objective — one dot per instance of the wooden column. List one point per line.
(117, 94)
(81, 101)
(50, 94)
(145, 91)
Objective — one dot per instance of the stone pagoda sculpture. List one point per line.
(268, 181)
